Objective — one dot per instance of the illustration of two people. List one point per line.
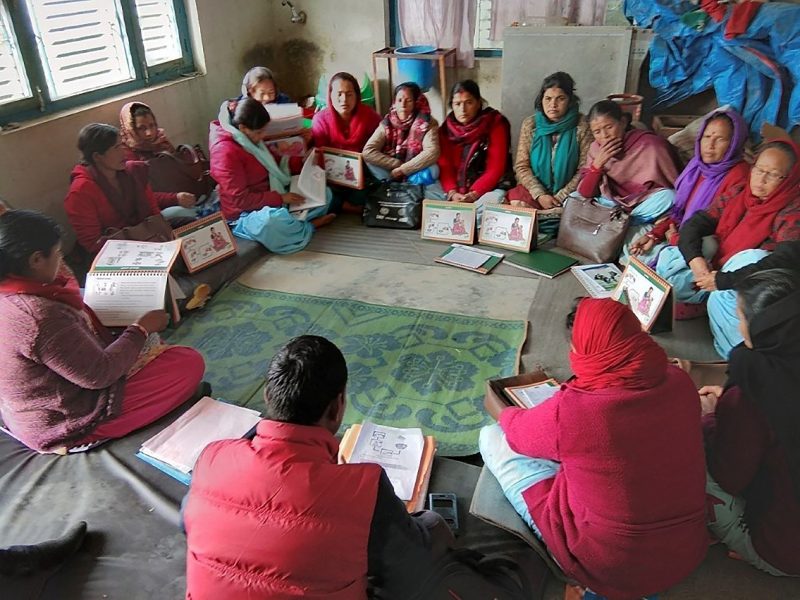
(516, 234)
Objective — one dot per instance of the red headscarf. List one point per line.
(747, 221)
(611, 350)
(129, 135)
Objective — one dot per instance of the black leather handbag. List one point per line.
(396, 205)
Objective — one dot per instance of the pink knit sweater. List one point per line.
(625, 514)
(58, 379)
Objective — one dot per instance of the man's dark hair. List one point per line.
(303, 379)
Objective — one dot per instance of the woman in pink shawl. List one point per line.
(345, 124)
(630, 168)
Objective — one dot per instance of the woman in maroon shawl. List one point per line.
(144, 140)
(474, 149)
(406, 143)
(628, 167)
(346, 123)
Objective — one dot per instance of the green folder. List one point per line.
(541, 262)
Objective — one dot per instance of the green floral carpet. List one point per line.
(407, 368)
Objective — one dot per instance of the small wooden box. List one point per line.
(495, 399)
(666, 125)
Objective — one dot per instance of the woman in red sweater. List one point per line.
(106, 190)
(609, 472)
(347, 124)
(253, 185)
(752, 444)
(474, 149)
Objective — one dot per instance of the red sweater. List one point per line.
(277, 518)
(89, 211)
(745, 459)
(326, 129)
(625, 515)
(243, 182)
(451, 155)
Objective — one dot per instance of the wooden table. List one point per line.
(441, 55)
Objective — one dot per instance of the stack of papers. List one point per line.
(470, 258)
(176, 448)
(405, 455)
(283, 118)
(398, 451)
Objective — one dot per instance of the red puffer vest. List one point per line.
(277, 518)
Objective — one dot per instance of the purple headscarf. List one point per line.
(713, 174)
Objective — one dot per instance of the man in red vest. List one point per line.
(276, 517)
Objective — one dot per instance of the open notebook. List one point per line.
(129, 278)
(423, 472)
(176, 448)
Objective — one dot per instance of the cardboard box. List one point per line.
(496, 400)
(667, 125)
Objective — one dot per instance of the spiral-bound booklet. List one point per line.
(128, 279)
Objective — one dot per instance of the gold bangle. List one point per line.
(141, 329)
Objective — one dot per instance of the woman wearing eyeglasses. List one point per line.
(740, 227)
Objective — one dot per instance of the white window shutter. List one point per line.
(159, 29)
(13, 79)
(83, 44)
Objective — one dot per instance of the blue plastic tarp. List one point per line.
(756, 72)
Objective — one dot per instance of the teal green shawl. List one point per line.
(279, 176)
(554, 172)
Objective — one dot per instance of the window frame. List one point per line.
(395, 36)
(40, 104)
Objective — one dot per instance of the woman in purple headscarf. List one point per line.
(716, 165)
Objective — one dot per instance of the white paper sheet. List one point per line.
(535, 394)
(465, 257)
(310, 184)
(121, 298)
(398, 451)
(130, 255)
(180, 444)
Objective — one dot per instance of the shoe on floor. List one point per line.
(685, 311)
(200, 296)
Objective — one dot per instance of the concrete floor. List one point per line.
(447, 289)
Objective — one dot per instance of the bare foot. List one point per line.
(322, 221)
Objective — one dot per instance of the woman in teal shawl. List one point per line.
(552, 145)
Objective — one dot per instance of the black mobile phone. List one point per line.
(447, 506)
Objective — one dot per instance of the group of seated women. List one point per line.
(609, 476)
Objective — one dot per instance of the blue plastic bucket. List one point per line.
(420, 72)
